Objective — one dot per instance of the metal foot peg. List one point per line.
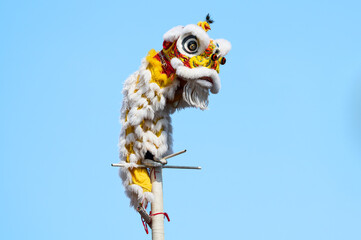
(144, 215)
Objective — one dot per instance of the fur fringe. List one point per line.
(146, 125)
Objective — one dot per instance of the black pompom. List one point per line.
(214, 57)
(209, 20)
(223, 60)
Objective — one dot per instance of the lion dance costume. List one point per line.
(180, 75)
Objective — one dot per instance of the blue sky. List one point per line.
(280, 145)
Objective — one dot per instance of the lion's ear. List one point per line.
(224, 46)
(173, 34)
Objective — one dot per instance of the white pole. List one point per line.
(156, 178)
(157, 204)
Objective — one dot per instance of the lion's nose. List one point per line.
(214, 57)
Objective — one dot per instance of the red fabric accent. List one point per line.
(167, 67)
(164, 213)
(187, 64)
(145, 225)
(166, 45)
(182, 57)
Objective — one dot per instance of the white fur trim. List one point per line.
(175, 62)
(173, 34)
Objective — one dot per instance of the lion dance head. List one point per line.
(181, 75)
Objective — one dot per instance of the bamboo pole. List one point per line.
(157, 204)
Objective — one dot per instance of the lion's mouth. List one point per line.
(205, 82)
(209, 79)
(204, 77)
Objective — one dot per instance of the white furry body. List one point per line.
(146, 109)
(155, 116)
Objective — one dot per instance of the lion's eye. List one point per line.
(190, 44)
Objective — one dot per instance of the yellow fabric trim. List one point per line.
(202, 61)
(129, 130)
(155, 67)
(159, 133)
(126, 116)
(144, 96)
(136, 90)
(156, 121)
(140, 177)
(130, 150)
(142, 124)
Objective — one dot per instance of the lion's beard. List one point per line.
(195, 95)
